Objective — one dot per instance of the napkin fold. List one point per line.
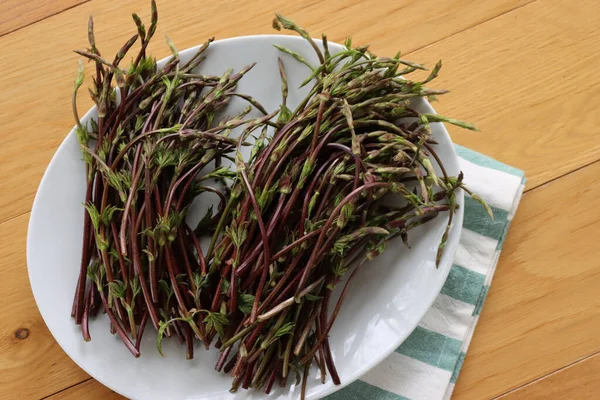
(427, 364)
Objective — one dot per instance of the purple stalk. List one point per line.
(140, 332)
(140, 272)
(120, 331)
(266, 252)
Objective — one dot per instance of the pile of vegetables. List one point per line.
(309, 206)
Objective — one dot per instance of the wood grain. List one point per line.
(88, 390)
(542, 311)
(35, 102)
(16, 14)
(526, 79)
(580, 380)
(32, 364)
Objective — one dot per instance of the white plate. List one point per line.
(385, 302)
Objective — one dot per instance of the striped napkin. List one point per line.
(427, 364)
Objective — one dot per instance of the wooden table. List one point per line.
(525, 71)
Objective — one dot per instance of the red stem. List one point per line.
(77, 310)
(324, 347)
(233, 297)
(315, 137)
(249, 374)
(223, 358)
(85, 329)
(266, 251)
(151, 244)
(124, 274)
(272, 377)
(201, 259)
(119, 328)
(132, 193)
(171, 271)
(139, 270)
(189, 338)
(336, 310)
(217, 298)
(257, 246)
(186, 260)
(309, 193)
(140, 333)
(295, 243)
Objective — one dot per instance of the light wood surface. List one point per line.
(542, 312)
(582, 379)
(524, 71)
(89, 389)
(32, 364)
(15, 14)
(527, 80)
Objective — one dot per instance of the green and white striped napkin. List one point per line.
(427, 364)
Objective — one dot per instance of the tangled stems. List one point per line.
(352, 167)
(319, 188)
(156, 131)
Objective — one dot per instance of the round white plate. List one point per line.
(384, 304)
